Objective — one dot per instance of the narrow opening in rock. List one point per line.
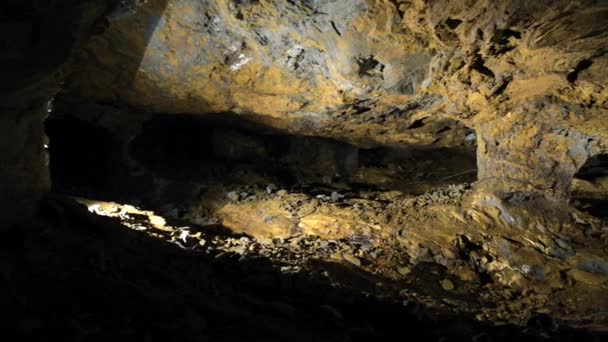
(215, 150)
(370, 66)
(84, 158)
(590, 186)
(453, 23)
(581, 66)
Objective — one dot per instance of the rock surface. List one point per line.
(363, 115)
(37, 39)
(529, 78)
(400, 214)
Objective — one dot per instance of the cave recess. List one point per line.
(317, 170)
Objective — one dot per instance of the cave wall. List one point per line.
(529, 77)
(331, 68)
(37, 39)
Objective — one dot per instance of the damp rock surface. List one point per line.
(528, 78)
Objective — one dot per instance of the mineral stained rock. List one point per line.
(529, 77)
(525, 82)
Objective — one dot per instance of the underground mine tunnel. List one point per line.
(318, 170)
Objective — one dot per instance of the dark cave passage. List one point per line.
(590, 193)
(176, 156)
(177, 164)
(84, 158)
(87, 159)
(595, 168)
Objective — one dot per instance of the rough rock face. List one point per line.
(37, 39)
(528, 77)
(353, 123)
(342, 69)
(285, 143)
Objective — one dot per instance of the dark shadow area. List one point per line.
(91, 153)
(36, 37)
(128, 27)
(594, 168)
(204, 148)
(85, 277)
(593, 206)
(592, 194)
(412, 168)
(223, 149)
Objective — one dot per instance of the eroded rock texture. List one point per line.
(350, 126)
(36, 41)
(528, 77)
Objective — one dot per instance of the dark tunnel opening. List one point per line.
(595, 169)
(83, 158)
(590, 186)
(88, 159)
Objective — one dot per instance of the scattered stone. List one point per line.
(470, 139)
(323, 197)
(270, 188)
(282, 193)
(447, 284)
(577, 219)
(183, 235)
(240, 250)
(233, 196)
(157, 221)
(335, 196)
(563, 244)
(594, 266)
(336, 256)
(404, 270)
(323, 244)
(465, 273)
(352, 259)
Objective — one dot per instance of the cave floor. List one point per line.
(237, 239)
(132, 275)
(297, 264)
